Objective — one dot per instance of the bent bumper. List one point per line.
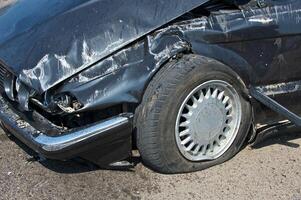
(102, 136)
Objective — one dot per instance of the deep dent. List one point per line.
(229, 37)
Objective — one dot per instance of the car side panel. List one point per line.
(261, 45)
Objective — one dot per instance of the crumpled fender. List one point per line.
(230, 38)
(45, 42)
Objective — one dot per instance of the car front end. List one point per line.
(111, 135)
(70, 87)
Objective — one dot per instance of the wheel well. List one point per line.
(180, 55)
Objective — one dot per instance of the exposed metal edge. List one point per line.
(280, 88)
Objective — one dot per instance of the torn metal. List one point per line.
(255, 42)
(280, 88)
(71, 70)
(104, 54)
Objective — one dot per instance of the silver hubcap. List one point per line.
(208, 121)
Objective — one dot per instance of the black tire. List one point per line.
(156, 116)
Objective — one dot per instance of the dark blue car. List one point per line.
(186, 82)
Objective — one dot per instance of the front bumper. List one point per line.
(105, 137)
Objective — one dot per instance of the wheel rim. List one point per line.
(208, 121)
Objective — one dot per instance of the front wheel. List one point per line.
(193, 116)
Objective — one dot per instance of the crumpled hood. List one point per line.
(45, 42)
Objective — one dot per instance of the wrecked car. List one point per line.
(186, 83)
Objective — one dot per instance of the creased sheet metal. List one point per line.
(261, 45)
(45, 42)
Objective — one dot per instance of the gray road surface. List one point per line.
(270, 170)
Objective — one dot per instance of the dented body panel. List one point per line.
(46, 42)
(76, 59)
(257, 43)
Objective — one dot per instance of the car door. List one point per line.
(282, 56)
(263, 39)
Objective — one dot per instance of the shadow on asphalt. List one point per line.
(283, 137)
(72, 166)
(78, 165)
